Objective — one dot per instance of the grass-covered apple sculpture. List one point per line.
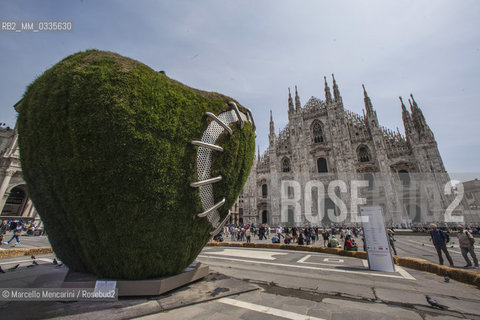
(120, 162)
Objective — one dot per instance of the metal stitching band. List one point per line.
(221, 225)
(220, 122)
(204, 161)
(215, 207)
(205, 182)
(207, 145)
(234, 105)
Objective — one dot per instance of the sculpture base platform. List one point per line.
(149, 287)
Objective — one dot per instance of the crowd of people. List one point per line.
(446, 227)
(332, 237)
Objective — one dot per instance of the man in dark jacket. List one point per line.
(439, 239)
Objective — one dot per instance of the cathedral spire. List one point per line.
(328, 95)
(410, 103)
(413, 100)
(258, 155)
(336, 92)
(290, 101)
(407, 122)
(418, 119)
(272, 125)
(416, 112)
(298, 106)
(368, 102)
(403, 106)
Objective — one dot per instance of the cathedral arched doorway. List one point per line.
(16, 201)
(264, 216)
(290, 218)
(414, 213)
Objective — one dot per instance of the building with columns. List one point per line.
(14, 202)
(328, 161)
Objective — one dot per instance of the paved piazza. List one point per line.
(415, 246)
(254, 283)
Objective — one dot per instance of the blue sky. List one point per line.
(254, 50)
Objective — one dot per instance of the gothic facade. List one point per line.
(328, 161)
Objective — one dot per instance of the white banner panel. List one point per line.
(378, 249)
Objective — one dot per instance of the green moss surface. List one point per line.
(106, 154)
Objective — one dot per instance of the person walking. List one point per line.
(391, 233)
(3, 231)
(261, 232)
(466, 241)
(308, 235)
(326, 236)
(248, 233)
(232, 232)
(439, 239)
(16, 233)
(294, 233)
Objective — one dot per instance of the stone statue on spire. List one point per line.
(328, 95)
(336, 92)
(298, 106)
(290, 101)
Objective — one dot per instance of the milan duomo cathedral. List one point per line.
(328, 161)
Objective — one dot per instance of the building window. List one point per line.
(317, 132)
(285, 165)
(371, 181)
(404, 177)
(363, 154)
(322, 165)
(264, 191)
(290, 192)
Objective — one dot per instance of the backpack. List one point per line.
(446, 236)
